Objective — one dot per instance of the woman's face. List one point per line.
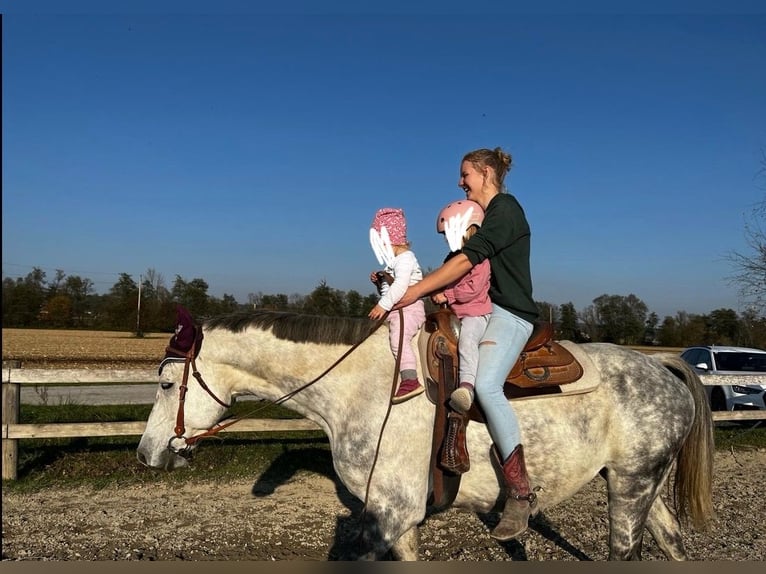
(472, 181)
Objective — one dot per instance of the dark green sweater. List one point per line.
(504, 239)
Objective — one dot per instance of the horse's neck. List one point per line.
(273, 369)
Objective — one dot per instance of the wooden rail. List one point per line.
(14, 377)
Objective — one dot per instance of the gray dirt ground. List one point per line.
(309, 516)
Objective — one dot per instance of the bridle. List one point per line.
(190, 364)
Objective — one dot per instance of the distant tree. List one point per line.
(355, 304)
(295, 301)
(621, 319)
(750, 267)
(122, 303)
(693, 329)
(724, 326)
(154, 282)
(158, 310)
(254, 299)
(568, 329)
(125, 287)
(668, 335)
(228, 304)
(752, 329)
(24, 299)
(276, 302)
(55, 284)
(78, 290)
(192, 295)
(650, 333)
(548, 312)
(59, 309)
(324, 300)
(591, 325)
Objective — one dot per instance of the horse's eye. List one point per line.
(166, 386)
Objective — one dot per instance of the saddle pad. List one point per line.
(590, 377)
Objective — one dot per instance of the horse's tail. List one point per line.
(693, 488)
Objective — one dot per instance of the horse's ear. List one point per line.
(186, 331)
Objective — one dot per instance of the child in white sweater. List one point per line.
(388, 237)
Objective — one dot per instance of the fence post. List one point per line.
(11, 410)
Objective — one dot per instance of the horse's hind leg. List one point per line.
(630, 500)
(666, 530)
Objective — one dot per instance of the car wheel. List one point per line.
(717, 400)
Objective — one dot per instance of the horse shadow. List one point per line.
(347, 542)
(543, 527)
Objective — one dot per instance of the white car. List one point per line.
(734, 377)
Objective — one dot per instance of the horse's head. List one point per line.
(182, 411)
(185, 406)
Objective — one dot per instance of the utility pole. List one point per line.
(138, 311)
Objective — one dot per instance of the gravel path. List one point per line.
(308, 516)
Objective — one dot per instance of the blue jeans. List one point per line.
(499, 348)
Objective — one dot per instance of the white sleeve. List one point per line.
(404, 268)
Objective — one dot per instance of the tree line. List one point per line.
(69, 302)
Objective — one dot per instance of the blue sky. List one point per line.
(251, 148)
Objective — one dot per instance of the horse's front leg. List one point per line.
(393, 511)
(407, 548)
(395, 531)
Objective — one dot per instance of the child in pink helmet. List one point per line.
(468, 297)
(388, 237)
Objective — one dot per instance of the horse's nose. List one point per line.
(141, 458)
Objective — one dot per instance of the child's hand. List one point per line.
(439, 298)
(374, 277)
(377, 313)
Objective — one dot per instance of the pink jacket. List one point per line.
(469, 297)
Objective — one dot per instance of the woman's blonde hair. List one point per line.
(497, 159)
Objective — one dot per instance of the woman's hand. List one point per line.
(409, 297)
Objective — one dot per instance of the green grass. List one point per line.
(742, 435)
(111, 461)
(102, 461)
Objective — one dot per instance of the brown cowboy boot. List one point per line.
(520, 498)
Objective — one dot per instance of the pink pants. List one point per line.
(414, 317)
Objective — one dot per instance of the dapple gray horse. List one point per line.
(647, 416)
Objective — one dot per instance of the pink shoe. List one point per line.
(408, 388)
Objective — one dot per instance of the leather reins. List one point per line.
(385, 420)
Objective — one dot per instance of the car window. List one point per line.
(743, 362)
(695, 356)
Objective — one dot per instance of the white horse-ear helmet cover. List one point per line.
(455, 219)
(381, 246)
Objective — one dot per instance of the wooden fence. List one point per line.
(14, 377)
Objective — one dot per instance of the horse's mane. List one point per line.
(297, 327)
